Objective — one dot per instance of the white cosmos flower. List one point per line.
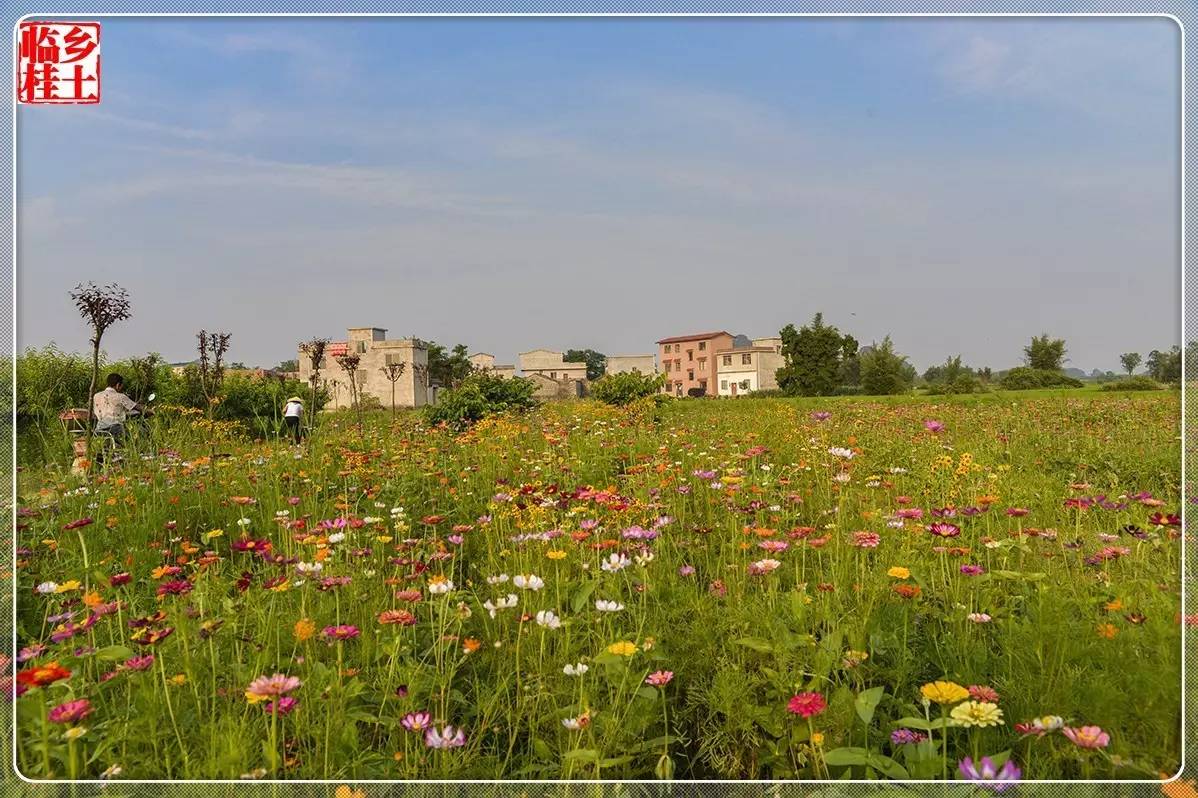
(501, 604)
(439, 586)
(577, 669)
(616, 562)
(46, 588)
(573, 724)
(336, 537)
(309, 569)
(548, 619)
(608, 606)
(840, 451)
(528, 581)
(644, 559)
(244, 522)
(497, 580)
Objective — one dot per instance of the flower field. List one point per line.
(769, 589)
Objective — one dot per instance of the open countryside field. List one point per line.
(710, 589)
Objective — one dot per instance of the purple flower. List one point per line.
(933, 426)
(821, 415)
(686, 570)
(417, 721)
(972, 570)
(988, 776)
(906, 737)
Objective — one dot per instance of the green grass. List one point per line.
(397, 507)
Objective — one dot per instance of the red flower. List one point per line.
(808, 705)
(42, 675)
(82, 522)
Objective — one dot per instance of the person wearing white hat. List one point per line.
(293, 413)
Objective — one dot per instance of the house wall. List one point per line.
(374, 352)
(550, 364)
(692, 363)
(620, 364)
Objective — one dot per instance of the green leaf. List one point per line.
(867, 702)
(755, 643)
(541, 749)
(887, 766)
(923, 725)
(647, 691)
(843, 757)
(113, 653)
(582, 595)
(583, 755)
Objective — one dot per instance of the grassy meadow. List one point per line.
(750, 589)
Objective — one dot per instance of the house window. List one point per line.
(727, 360)
(690, 374)
(690, 354)
(723, 385)
(677, 365)
(744, 385)
(703, 385)
(702, 345)
(702, 364)
(667, 367)
(677, 348)
(553, 375)
(746, 360)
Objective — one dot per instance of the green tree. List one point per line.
(288, 365)
(596, 361)
(1165, 366)
(448, 368)
(884, 371)
(850, 363)
(1129, 360)
(812, 358)
(623, 389)
(1044, 353)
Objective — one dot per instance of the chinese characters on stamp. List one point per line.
(58, 63)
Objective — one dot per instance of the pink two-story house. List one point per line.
(688, 361)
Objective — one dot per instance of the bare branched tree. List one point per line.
(313, 350)
(212, 347)
(393, 371)
(349, 363)
(101, 306)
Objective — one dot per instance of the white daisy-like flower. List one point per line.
(577, 669)
(608, 606)
(497, 580)
(617, 561)
(528, 581)
(548, 619)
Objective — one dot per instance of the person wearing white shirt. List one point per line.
(110, 407)
(293, 413)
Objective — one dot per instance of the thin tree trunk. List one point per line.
(91, 390)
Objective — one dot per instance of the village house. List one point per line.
(484, 361)
(688, 361)
(375, 353)
(742, 370)
(553, 376)
(621, 364)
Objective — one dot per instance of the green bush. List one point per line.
(622, 389)
(478, 396)
(1133, 384)
(764, 393)
(962, 384)
(847, 390)
(1024, 378)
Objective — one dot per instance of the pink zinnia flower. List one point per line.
(71, 711)
(276, 685)
(281, 706)
(1087, 736)
(344, 632)
(944, 530)
(980, 692)
(866, 540)
(808, 705)
(659, 678)
(449, 737)
(933, 426)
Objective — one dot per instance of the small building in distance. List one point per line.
(375, 351)
(548, 363)
(484, 361)
(688, 361)
(742, 370)
(621, 364)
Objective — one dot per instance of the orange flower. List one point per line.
(400, 617)
(1108, 630)
(908, 591)
(42, 675)
(471, 644)
(304, 629)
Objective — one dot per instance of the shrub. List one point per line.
(478, 396)
(1024, 378)
(765, 393)
(1133, 384)
(847, 390)
(621, 389)
(696, 393)
(962, 384)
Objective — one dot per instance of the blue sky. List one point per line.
(518, 183)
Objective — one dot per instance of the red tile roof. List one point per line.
(697, 337)
(337, 348)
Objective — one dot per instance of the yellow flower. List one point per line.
(179, 679)
(624, 648)
(73, 584)
(898, 572)
(977, 713)
(345, 792)
(555, 554)
(74, 733)
(216, 533)
(304, 629)
(817, 739)
(944, 692)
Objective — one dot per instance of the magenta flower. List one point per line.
(933, 426)
(807, 705)
(866, 540)
(281, 706)
(71, 711)
(269, 686)
(332, 634)
(944, 530)
(142, 663)
(989, 776)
